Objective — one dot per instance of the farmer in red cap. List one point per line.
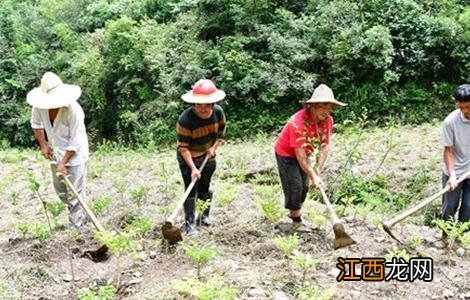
(307, 134)
(200, 129)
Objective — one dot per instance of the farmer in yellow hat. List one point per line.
(58, 124)
(306, 136)
(200, 129)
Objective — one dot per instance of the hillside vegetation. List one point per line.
(391, 60)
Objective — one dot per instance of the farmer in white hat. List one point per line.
(306, 136)
(58, 124)
(200, 129)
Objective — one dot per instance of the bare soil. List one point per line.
(246, 259)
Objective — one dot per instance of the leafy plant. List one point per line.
(228, 193)
(415, 241)
(23, 227)
(271, 210)
(40, 231)
(304, 262)
(34, 186)
(56, 208)
(207, 290)
(139, 194)
(100, 204)
(287, 244)
(139, 226)
(94, 292)
(121, 187)
(395, 252)
(199, 255)
(310, 291)
(201, 206)
(453, 228)
(118, 243)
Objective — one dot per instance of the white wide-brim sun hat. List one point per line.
(204, 92)
(323, 94)
(53, 93)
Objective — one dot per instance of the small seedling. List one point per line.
(164, 210)
(271, 210)
(118, 243)
(121, 187)
(304, 262)
(397, 253)
(287, 244)
(139, 226)
(100, 204)
(34, 186)
(453, 228)
(199, 256)
(227, 195)
(415, 241)
(201, 206)
(140, 194)
(23, 227)
(15, 196)
(39, 230)
(211, 289)
(74, 234)
(93, 292)
(56, 208)
(310, 291)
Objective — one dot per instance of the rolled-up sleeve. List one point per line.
(36, 122)
(77, 128)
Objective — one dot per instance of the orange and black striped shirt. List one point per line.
(198, 134)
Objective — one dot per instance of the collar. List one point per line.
(465, 120)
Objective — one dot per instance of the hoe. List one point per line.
(100, 253)
(169, 231)
(342, 239)
(387, 226)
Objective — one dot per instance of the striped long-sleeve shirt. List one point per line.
(197, 134)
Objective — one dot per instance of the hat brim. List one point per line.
(60, 96)
(189, 97)
(333, 101)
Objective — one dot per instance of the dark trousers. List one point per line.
(451, 201)
(200, 189)
(294, 182)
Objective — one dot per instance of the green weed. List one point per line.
(14, 196)
(93, 292)
(56, 208)
(287, 244)
(199, 255)
(140, 194)
(304, 262)
(139, 226)
(99, 205)
(309, 291)
(207, 290)
(227, 193)
(453, 228)
(201, 206)
(118, 243)
(395, 252)
(415, 241)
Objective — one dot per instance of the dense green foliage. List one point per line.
(398, 59)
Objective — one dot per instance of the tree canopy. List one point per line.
(397, 60)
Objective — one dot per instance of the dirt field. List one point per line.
(140, 184)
